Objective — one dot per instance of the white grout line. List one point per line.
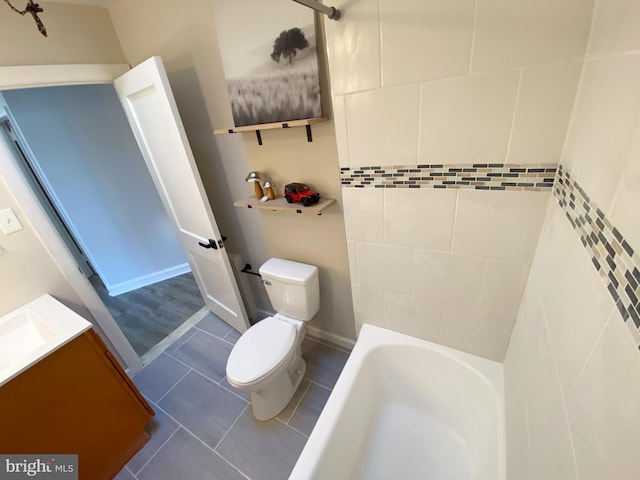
(229, 429)
(231, 391)
(295, 409)
(514, 116)
(379, 23)
(180, 425)
(419, 126)
(559, 381)
(587, 47)
(292, 428)
(453, 224)
(482, 288)
(195, 370)
(613, 313)
(319, 385)
(159, 448)
(474, 24)
(215, 336)
(175, 384)
(230, 464)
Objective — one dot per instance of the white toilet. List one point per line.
(266, 360)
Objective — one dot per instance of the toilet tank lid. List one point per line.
(288, 271)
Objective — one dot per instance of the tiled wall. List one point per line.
(437, 87)
(572, 370)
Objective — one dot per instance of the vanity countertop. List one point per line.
(34, 331)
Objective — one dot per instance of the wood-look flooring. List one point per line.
(149, 314)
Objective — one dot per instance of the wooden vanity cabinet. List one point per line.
(77, 400)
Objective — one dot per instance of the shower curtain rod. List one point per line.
(331, 12)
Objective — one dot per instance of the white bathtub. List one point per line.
(405, 408)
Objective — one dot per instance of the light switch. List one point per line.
(9, 223)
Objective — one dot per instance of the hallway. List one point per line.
(149, 314)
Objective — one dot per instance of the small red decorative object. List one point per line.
(299, 192)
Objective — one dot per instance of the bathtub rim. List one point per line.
(370, 338)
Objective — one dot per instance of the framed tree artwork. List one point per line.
(270, 60)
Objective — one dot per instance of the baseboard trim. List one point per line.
(130, 285)
(338, 340)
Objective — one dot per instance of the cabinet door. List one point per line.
(75, 401)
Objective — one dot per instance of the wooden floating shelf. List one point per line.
(281, 205)
(271, 126)
(307, 122)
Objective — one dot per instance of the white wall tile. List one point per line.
(475, 332)
(363, 214)
(527, 334)
(604, 408)
(615, 27)
(448, 278)
(425, 39)
(512, 33)
(576, 304)
(420, 218)
(353, 44)
(503, 287)
(467, 119)
(499, 224)
(624, 213)
(368, 306)
(383, 126)
(385, 267)
(533, 390)
(340, 123)
(550, 440)
(551, 448)
(353, 261)
(413, 316)
(544, 106)
(518, 461)
(603, 125)
(557, 238)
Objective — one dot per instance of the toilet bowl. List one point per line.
(266, 361)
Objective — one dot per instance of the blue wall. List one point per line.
(82, 141)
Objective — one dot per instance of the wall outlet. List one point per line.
(9, 223)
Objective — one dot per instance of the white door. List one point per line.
(151, 109)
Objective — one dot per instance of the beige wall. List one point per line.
(427, 82)
(572, 371)
(183, 34)
(27, 270)
(76, 35)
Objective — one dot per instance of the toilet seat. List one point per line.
(260, 351)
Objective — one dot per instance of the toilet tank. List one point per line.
(292, 287)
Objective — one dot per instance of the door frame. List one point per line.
(31, 170)
(33, 76)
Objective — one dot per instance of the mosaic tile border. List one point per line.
(478, 176)
(611, 255)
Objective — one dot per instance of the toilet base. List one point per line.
(270, 401)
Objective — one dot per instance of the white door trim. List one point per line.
(60, 75)
(32, 76)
